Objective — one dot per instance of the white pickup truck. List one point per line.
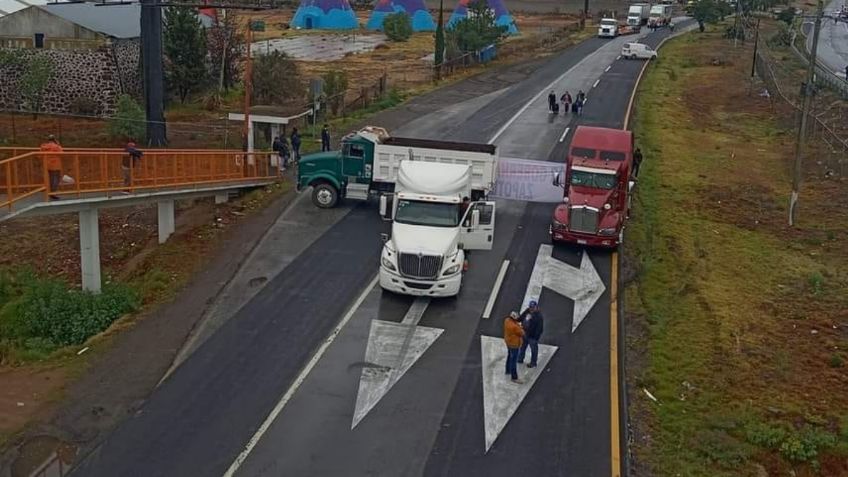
(432, 228)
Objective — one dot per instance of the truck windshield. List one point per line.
(593, 179)
(608, 22)
(432, 214)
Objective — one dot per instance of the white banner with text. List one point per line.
(523, 179)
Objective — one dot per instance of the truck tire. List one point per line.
(324, 195)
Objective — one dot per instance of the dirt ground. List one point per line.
(737, 323)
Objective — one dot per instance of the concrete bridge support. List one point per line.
(90, 249)
(166, 219)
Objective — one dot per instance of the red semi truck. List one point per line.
(597, 187)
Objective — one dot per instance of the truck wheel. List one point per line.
(325, 196)
(633, 57)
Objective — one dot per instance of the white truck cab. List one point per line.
(608, 28)
(432, 229)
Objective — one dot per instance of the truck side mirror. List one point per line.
(475, 218)
(630, 186)
(384, 205)
(557, 182)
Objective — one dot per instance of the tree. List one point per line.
(335, 86)
(226, 51)
(398, 26)
(38, 72)
(709, 11)
(276, 79)
(478, 30)
(129, 121)
(787, 15)
(184, 44)
(439, 56)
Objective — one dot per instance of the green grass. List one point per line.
(705, 280)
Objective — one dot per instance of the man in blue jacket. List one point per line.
(534, 325)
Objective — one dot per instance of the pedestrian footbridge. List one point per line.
(94, 179)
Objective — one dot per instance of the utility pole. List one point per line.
(248, 82)
(585, 13)
(756, 45)
(153, 74)
(807, 91)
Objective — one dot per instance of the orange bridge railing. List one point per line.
(85, 172)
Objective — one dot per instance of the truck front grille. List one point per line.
(584, 219)
(420, 266)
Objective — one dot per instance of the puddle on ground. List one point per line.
(319, 47)
(43, 456)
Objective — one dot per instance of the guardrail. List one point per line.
(823, 75)
(111, 172)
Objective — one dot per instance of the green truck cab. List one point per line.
(343, 173)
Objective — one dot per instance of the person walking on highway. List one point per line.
(637, 161)
(325, 138)
(533, 324)
(551, 101)
(566, 102)
(295, 143)
(846, 72)
(513, 334)
(53, 163)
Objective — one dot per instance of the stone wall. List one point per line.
(94, 78)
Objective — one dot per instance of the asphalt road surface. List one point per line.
(400, 386)
(833, 41)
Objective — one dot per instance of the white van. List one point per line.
(640, 51)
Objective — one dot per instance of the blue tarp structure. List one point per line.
(325, 15)
(421, 18)
(502, 16)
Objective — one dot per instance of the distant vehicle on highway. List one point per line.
(597, 186)
(608, 28)
(633, 51)
(638, 13)
(660, 15)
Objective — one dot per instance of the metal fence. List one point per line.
(823, 76)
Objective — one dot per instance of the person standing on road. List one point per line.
(551, 101)
(53, 163)
(325, 138)
(846, 72)
(637, 161)
(295, 142)
(513, 334)
(566, 102)
(533, 324)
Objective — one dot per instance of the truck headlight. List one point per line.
(388, 264)
(607, 206)
(609, 231)
(557, 224)
(452, 270)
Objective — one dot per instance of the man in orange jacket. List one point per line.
(52, 162)
(513, 336)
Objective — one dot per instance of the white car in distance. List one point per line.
(633, 51)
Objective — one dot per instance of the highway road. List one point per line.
(321, 373)
(833, 40)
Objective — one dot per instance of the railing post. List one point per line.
(77, 177)
(46, 178)
(9, 193)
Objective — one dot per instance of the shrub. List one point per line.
(46, 314)
(276, 79)
(787, 16)
(398, 26)
(816, 281)
(722, 448)
(765, 435)
(335, 85)
(129, 121)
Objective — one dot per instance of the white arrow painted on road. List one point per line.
(392, 349)
(583, 285)
(501, 397)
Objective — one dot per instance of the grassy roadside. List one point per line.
(737, 324)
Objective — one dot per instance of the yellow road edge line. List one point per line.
(615, 437)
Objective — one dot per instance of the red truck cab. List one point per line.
(597, 187)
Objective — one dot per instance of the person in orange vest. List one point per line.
(53, 163)
(513, 337)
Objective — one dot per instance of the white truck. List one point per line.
(432, 227)
(660, 15)
(608, 28)
(638, 14)
(369, 159)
